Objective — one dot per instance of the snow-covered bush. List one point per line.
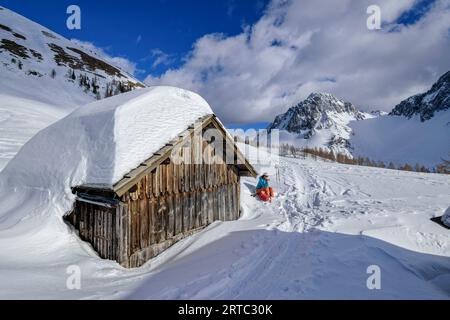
(446, 217)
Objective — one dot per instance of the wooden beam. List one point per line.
(231, 141)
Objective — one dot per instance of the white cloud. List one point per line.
(120, 62)
(138, 39)
(301, 46)
(160, 58)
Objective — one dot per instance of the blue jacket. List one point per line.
(262, 183)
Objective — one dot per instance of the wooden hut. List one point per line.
(163, 200)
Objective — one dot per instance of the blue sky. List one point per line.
(411, 16)
(134, 29)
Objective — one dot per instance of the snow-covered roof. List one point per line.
(101, 142)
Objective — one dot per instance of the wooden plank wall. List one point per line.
(96, 225)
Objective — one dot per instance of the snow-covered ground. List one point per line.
(329, 223)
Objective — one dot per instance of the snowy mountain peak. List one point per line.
(38, 64)
(319, 111)
(426, 104)
(326, 101)
(320, 120)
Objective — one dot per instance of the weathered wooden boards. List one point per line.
(97, 225)
(176, 200)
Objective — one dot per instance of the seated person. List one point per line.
(263, 190)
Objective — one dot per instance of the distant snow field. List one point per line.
(402, 140)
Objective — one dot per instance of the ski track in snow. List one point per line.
(316, 240)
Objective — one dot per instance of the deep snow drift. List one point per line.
(20, 119)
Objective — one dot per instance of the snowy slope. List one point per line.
(402, 140)
(31, 98)
(321, 121)
(30, 52)
(315, 241)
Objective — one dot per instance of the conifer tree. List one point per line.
(407, 167)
